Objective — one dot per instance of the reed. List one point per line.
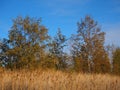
(56, 80)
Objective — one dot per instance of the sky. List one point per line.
(64, 14)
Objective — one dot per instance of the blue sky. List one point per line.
(64, 14)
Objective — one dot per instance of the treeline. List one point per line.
(29, 46)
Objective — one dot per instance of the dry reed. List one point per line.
(56, 80)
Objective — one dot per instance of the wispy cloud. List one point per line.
(117, 9)
(113, 34)
(115, 6)
(65, 7)
(66, 2)
(4, 27)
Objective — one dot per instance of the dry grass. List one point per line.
(56, 80)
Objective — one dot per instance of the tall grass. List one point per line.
(56, 80)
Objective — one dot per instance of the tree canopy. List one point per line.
(29, 45)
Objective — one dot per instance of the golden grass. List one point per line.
(56, 80)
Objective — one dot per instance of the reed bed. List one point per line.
(56, 80)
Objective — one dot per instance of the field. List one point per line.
(56, 80)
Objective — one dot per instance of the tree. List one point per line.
(116, 61)
(27, 37)
(57, 49)
(4, 47)
(90, 45)
(110, 49)
(76, 51)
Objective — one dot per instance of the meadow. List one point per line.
(56, 80)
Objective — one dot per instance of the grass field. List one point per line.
(56, 80)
